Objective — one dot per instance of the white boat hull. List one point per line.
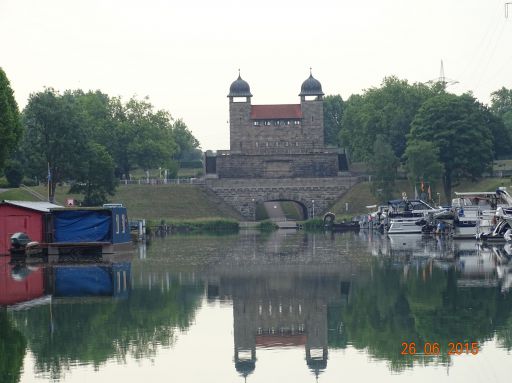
(404, 227)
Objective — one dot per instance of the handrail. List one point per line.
(33, 192)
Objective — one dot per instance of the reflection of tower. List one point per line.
(245, 347)
(316, 344)
(281, 310)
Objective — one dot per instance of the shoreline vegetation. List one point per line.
(193, 226)
(192, 209)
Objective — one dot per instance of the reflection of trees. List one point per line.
(12, 350)
(93, 330)
(422, 306)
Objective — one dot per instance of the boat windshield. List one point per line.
(409, 205)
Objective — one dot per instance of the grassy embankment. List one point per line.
(185, 208)
(195, 209)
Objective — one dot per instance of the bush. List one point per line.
(315, 224)
(172, 169)
(218, 225)
(3, 183)
(29, 182)
(267, 226)
(191, 164)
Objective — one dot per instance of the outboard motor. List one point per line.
(21, 244)
(19, 241)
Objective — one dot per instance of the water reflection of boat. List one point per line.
(476, 264)
(18, 283)
(23, 285)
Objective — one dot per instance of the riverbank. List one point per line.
(194, 202)
(354, 202)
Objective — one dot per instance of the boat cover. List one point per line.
(81, 281)
(82, 226)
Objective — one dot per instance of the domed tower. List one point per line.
(239, 112)
(312, 106)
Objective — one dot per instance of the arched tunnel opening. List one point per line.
(281, 210)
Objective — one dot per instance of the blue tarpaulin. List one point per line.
(82, 226)
(80, 281)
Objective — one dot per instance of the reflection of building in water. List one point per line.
(281, 310)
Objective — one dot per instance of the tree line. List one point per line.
(435, 135)
(88, 139)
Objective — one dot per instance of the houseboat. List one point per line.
(103, 230)
(32, 227)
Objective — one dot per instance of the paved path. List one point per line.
(274, 211)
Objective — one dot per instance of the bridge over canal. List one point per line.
(314, 195)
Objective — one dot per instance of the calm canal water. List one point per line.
(283, 307)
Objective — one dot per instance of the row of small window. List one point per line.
(280, 308)
(275, 144)
(275, 122)
(282, 330)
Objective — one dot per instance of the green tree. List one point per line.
(458, 127)
(383, 165)
(95, 179)
(422, 161)
(14, 173)
(10, 125)
(333, 113)
(501, 124)
(55, 136)
(140, 136)
(387, 111)
(501, 101)
(187, 144)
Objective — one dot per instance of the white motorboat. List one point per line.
(409, 216)
(475, 212)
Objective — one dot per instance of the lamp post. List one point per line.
(313, 210)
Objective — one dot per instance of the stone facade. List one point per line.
(277, 153)
(275, 141)
(295, 128)
(277, 165)
(315, 195)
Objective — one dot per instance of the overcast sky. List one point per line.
(185, 54)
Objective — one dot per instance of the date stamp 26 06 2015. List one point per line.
(434, 348)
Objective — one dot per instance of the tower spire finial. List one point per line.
(310, 71)
(239, 76)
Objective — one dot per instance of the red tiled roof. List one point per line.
(280, 340)
(283, 111)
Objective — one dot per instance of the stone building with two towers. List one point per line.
(275, 141)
